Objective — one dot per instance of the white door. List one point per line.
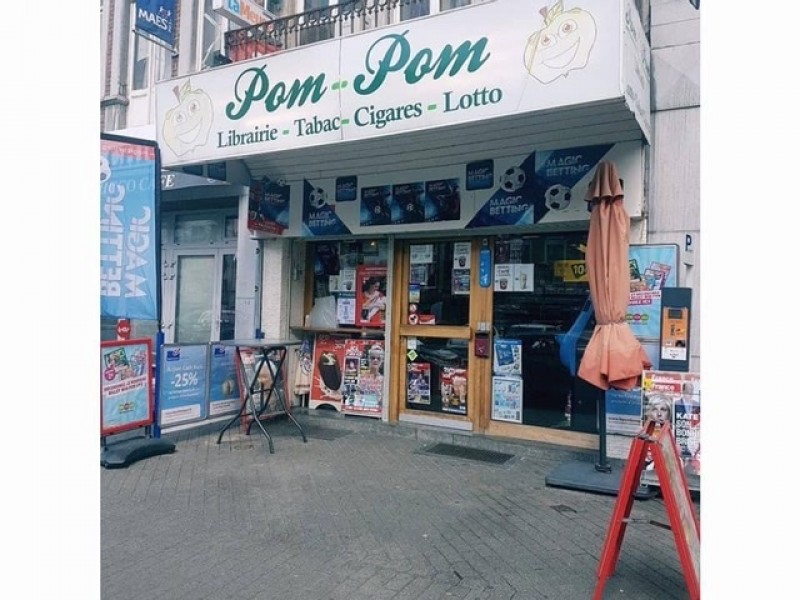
(200, 295)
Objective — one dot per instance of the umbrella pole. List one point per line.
(602, 465)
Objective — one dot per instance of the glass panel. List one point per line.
(141, 63)
(436, 378)
(448, 4)
(316, 32)
(540, 287)
(227, 316)
(196, 230)
(439, 277)
(414, 8)
(195, 300)
(211, 35)
(344, 274)
(231, 227)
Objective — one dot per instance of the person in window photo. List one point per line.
(374, 301)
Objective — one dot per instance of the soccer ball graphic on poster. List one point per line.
(318, 198)
(512, 179)
(558, 197)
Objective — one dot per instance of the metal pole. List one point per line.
(602, 465)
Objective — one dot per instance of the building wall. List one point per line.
(674, 194)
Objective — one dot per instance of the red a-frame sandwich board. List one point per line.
(675, 491)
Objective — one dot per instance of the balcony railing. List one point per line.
(323, 24)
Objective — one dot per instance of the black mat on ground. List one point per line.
(123, 453)
(477, 454)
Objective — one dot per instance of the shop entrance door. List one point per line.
(440, 373)
(200, 295)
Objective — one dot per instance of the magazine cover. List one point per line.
(507, 357)
(362, 391)
(370, 296)
(419, 383)
(674, 397)
(454, 390)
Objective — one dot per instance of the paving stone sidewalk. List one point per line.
(363, 512)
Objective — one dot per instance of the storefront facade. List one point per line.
(410, 199)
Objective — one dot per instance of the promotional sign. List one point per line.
(507, 399)
(268, 206)
(223, 383)
(319, 214)
(242, 12)
(156, 20)
(129, 174)
(542, 185)
(362, 391)
(624, 411)
(453, 383)
(327, 376)
(454, 68)
(419, 383)
(674, 397)
(126, 396)
(182, 396)
(653, 267)
(507, 357)
(370, 296)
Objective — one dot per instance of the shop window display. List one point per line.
(439, 277)
(349, 279)
(437, 375)
(540, 287)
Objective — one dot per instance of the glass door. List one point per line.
(203, 306)
(442, 306)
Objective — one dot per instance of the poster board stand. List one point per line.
(126, 403)
(682, 518)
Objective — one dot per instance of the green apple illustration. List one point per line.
(562, 45)
(187, 125)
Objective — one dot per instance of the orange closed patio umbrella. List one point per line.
(614, 358)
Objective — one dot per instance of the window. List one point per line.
(439, 283)
(414, 8)
(141, 63)
(315, 31)
(151, 62)
(211, 35)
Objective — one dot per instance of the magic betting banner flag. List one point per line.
(156, 19)
(128, 261)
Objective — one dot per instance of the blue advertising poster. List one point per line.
(319, 215)
(128, 263)
(624, 411)
(513, 201)
(375, 205)
(156, 18)
(125, 393)
(346, 189)
(183, 383)
(268, 206)
(652, 267)
(542, 183)
(408, 203)
(223, 390)
(442, 200)
(480, 175)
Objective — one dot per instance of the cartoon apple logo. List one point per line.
(187, 125)
(562, 45)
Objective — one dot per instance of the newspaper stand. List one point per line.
(682, 518)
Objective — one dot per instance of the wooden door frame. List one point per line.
(480, 309)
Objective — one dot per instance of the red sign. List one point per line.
(123, 329)
(682, 517)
